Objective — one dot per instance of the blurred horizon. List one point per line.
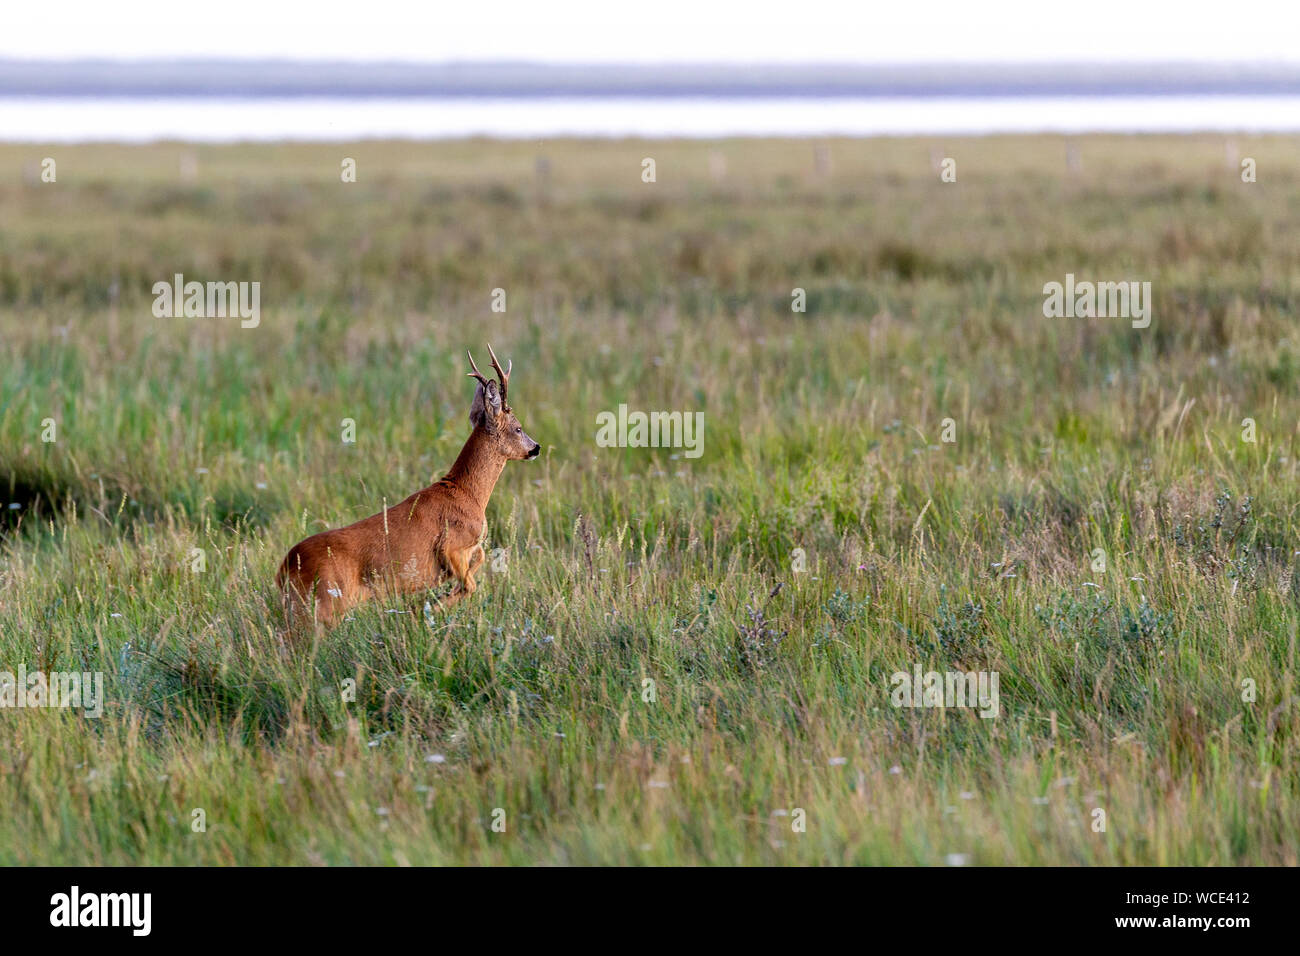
(177, 77)
(222, 100)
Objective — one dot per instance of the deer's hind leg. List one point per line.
(339, 588)
(298, 606)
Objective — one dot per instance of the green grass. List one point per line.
(1120, 690)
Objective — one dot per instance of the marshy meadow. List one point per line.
(905, 466)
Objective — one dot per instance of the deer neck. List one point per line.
(477, 468)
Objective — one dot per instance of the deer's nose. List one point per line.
(534, 451)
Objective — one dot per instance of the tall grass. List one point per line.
(646, 678)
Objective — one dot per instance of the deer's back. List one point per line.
(423, 527)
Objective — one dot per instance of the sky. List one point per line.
(660, 31)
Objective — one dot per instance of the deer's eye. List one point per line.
(519, 429)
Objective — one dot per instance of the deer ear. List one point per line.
(487, 405)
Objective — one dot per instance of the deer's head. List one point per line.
(491, 413)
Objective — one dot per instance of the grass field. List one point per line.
(189, 454)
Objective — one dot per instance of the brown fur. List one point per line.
(434, 536)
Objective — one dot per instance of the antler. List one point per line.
(503, 376)
(482, 380)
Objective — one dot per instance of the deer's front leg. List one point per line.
(462, 565)
(476, 562)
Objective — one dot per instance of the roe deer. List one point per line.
(433, 536)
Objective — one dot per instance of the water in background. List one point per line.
(130, 119)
